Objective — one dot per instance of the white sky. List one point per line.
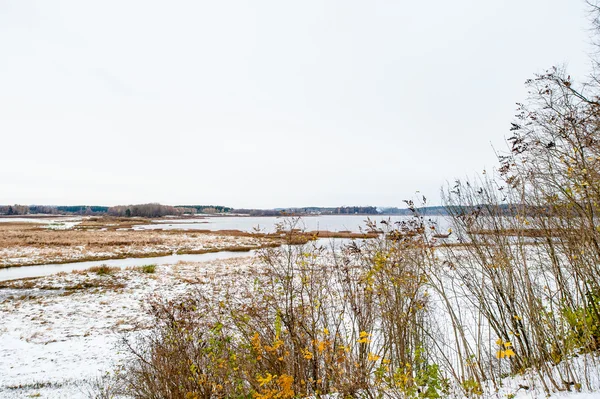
(265, 103)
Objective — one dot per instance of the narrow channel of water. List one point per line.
(12, 273)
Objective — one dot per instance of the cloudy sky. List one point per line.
(265, 103)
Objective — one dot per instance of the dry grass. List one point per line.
(103, 270)
(23, 244)
(23, 283)
(304, 236)
(17, 225)
(91, 283)
(148, 269)
(96, 239)
(110, 223)
(104, 284)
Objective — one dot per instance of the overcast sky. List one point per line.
(265, 103)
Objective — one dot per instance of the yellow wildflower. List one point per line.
(307, 354)
(364, 338)
(264, 380)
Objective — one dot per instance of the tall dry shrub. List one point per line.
(312, 321)
(507, 283)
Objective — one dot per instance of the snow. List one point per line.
(54, 340)
(57, 338)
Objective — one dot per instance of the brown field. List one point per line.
(25, 244)
(110, 223)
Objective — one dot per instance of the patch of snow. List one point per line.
(55, 339)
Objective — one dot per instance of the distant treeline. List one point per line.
(154, 210)
(426, 210)
(258, 212)
(51, 210)
(310, 210)
(364, 210)
(14, 209)
(139, 210)
(343, 210)
(145, 210)
(157, 210)
(78, 209)
(205, 208)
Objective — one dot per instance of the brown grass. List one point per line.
(86, 285)
(36, 282)
(7, 226)
(103, 270)
(307, 235)
(22, 283)
(25, 244)
(144, 269)
(28, 244)
(110, 223)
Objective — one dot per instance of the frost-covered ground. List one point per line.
(29, 246)
(59, 333)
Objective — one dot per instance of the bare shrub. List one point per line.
(314, 322)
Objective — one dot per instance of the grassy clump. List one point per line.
(103, 270)
(149, 269)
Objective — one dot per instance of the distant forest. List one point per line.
(155, 210)
(139, 210)
(158, 210)
(52, 210)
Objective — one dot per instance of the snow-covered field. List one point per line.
(59, 333)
